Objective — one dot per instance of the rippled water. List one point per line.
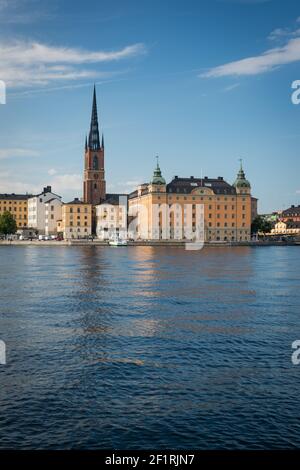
(143, 347)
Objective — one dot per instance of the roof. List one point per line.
(187, 185)
(291, 224)
(113, 199)
(77, 201)
(293, 210)
(16, 197)
(53, 199)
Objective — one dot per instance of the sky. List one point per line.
(199, 83)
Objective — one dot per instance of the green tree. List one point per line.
(259, 224)
(7, 224)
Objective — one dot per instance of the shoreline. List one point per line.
(152, 243)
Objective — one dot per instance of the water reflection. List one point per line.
(149, 347)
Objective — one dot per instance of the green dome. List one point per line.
(241, 181)
(157, 177)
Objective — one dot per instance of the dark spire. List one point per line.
(94, 139)
(86, 146)
(102, 142)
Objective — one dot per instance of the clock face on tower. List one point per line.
(95, 163)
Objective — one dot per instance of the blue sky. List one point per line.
(199, 83)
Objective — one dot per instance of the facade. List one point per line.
(286, 228)
(254, 213)
(291, 214)
(94, 186)
(226, 208)
(17, 205)
(37, 209)
(76, 220)
(53, 213)
(111, 217)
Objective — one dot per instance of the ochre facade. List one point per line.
(17, 205)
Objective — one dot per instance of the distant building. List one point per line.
(37, 207)
(17, 205)
(286, 228)
(254, 202)
(111, 217)
(53, 213)
(76, 220)
(291, 214)
(227, 208)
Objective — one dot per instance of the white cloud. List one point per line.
(52, 172)
(17, 152)
(265, 62)
(33, 63)
(124, 186)
(10, 185)
(22, 11)
(281, 33)
(231, 87)
(66, 183)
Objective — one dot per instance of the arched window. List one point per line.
(95, 162)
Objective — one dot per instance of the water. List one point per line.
(141, 347)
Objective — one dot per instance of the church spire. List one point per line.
(157, 176)
(94, 139)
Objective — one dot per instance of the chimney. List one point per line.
(47, 189)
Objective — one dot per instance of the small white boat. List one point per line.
(116, 241)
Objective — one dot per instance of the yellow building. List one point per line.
(17, 205)
(176, 210)
(76, 220)
(286, 228)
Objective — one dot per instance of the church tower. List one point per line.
(94, 189)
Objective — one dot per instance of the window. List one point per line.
(95, 163)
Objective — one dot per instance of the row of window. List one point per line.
(78, 224)
(21, 209)
(15, 202)
(201, 198)
(79, 210)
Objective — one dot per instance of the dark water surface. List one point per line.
(141, 347)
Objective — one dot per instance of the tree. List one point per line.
(7, 224)
(260, 224)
